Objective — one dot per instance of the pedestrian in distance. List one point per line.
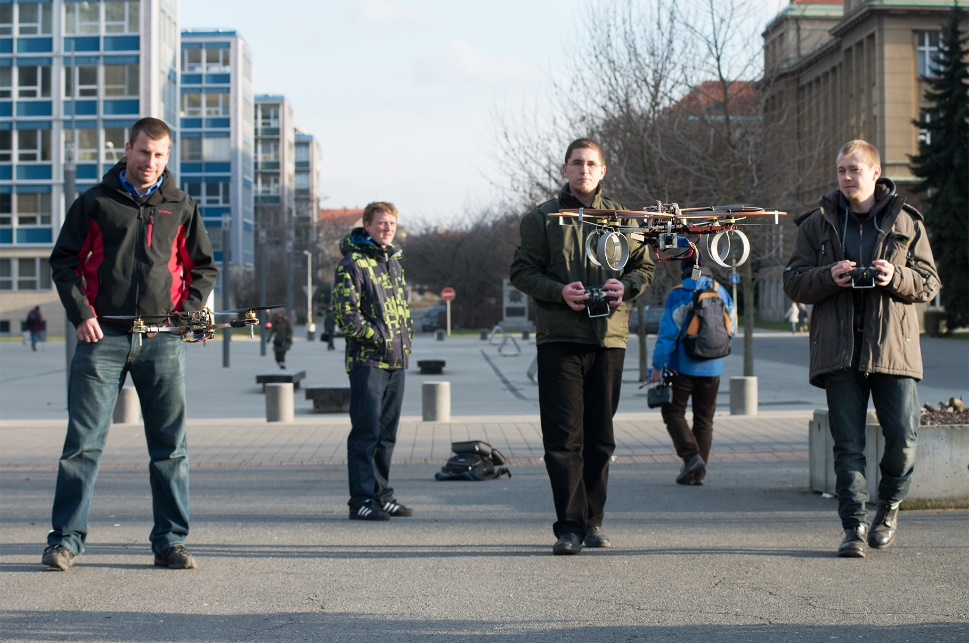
(692, 378)
(134, 244)
(793, 316)
(863, 259)
(802, 318)
(35, 325)
(281, 336)
(370, 306)
(580, 357)
(329, 329)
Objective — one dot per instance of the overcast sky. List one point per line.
(401, 94)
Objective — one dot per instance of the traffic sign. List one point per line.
(447, 294)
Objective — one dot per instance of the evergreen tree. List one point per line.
(942, 164)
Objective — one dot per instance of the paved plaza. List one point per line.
(749, 556)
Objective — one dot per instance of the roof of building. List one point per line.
(341, 216)
(707, 97)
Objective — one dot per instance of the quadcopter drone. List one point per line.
(670, 230)
(200, 326)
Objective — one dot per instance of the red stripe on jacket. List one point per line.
(180, 266)
(90, 257)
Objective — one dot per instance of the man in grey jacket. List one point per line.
(863, 260)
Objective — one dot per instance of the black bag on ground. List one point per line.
(474, 460)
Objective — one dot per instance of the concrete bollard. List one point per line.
(279, 402)
(743, 395)
(127, 410)
(436, 401)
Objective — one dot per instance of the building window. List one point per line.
(927, 48)
(114, 140)
(302, 153)
(192, 61)
(121, 17)
(302, 181)
(6, 146)
(267, 184)
(81, 81)
(81, 18)
(6, 19)
(216, 193)
(121, 81)
(25, 274)
(33, 145)
(33, 82)
(268, 116)
(216, 104)
(33, 209)
(268, 151)
(6, 81)
(216, 150)
(34, 18)
(6, 210)
(191, 105)
(191, 150)
(216, 61)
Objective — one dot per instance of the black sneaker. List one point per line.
(58, 557)
(567, 544)
(853, 545)
(370, 510)
(175, 557)
(397, 510)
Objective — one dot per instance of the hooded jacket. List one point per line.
(118, 255)
(889, 326)
(552, 254)
(668, 351)
(370, 304)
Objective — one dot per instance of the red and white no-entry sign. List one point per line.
(447, 294)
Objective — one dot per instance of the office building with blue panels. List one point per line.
(73, 76)
(216, 147)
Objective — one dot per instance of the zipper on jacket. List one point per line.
(151, 223)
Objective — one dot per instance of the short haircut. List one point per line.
(378, 206)
(154, 128)
(592, 144)
(869, 153)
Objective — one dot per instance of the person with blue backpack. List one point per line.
(695, 333)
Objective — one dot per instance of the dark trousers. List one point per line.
(578, 392)
(687, 441)
(375, 399)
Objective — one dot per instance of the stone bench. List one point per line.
(431, 366)
(329, 399)
(280, 377)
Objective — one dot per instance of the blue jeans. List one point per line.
(375, 399)
(897, 405)
(98, 371)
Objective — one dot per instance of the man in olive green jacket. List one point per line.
(580, 357)
(863, 259)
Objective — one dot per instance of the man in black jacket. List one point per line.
(132, 245)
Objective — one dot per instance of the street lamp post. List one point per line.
(310, 326)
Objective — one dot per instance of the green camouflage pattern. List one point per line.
(370, 304)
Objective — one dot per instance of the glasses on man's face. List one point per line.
(578, 164)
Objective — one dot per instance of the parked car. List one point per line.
(433, 318)
(651, 315)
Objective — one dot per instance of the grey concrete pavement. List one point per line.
(747, 557)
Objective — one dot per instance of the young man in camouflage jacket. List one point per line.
(370, 306)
